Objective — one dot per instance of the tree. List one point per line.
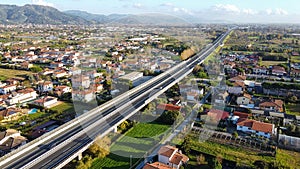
(186, 145)
(168, 117)
(100, 148)
(235, 134)
(201, 159)
(81, 165)
(217, 164)
(36, 69)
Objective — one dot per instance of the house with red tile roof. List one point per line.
(276, 105)
(168, 107)
(218, 115)
(256, 127)
(172, 157)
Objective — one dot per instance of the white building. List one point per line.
(46, 86)
(7, 89)
(46, 101)
(22, 96)
(84, 96)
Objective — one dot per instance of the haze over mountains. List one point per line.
(36, 14)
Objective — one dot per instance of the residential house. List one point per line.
(238, 78)
(217, 115)
(221, 97)
(244, 99)
(11, 139)
(26, 65)
(157, 165)
(295, 73)
(260, 70)
(60, 74)
(256, 127)
(278, 71)
(45, 86)
(235, 90)
(9, 113)
(172, 157)
(84, 96)
(168, 107)
(276, 105)
(7, 89)
(60, 90)
(54, 65)
(22, 96)
(81, 81)
(47, 101)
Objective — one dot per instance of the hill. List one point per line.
(36, 14)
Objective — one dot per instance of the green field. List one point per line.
(64, 107)
(10, 73)
(113, 162)
(293, 109)
(283, 157)
(135, 143)
(146, 130)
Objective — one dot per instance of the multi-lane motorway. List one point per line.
(64, 142)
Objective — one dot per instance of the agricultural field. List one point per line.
(242, 157)
(10, 73)
(135, 143)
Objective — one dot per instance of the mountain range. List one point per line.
(36, 14)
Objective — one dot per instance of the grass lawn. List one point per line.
(9, 73)
(113, 161)
(293, 109)
(64, 107)
(136, 142)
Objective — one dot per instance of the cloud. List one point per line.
(249, 11)
(138, 5)
(182, 10)
(226, 8)
(277, 11)
(167, 4)
(42, 2)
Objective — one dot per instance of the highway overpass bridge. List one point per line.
(58, 147)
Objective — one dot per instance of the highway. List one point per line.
(85, 128)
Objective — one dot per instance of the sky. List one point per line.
(267, 11)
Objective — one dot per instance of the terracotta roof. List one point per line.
(257, 125)
(238, 78)
(241, 114)
(263, 127)
(167, 150)
(157, 165)
(218, 114)
(239, 84)
(247, 96)
(169, 107)
(176, 159)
